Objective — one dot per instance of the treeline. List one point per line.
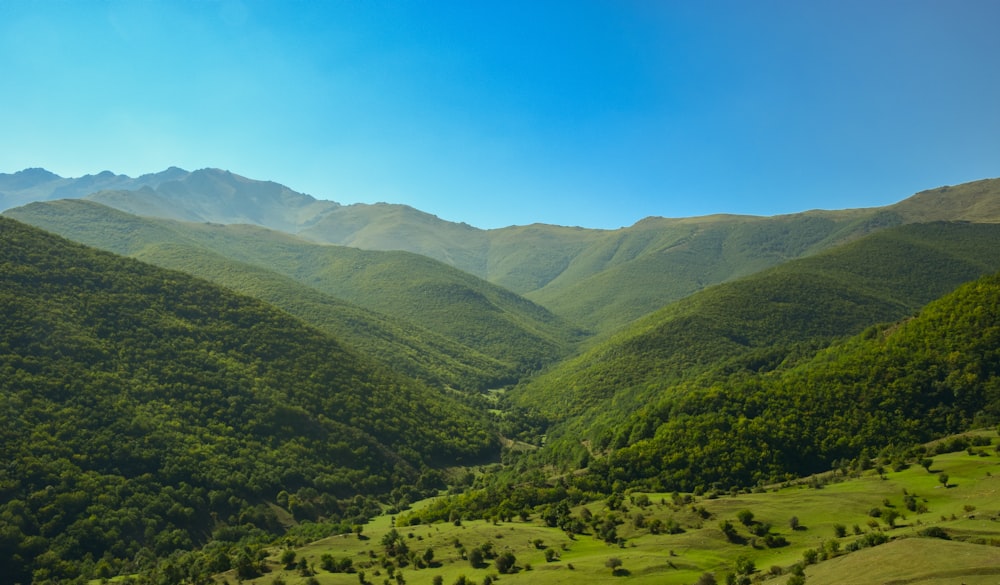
(144, 412)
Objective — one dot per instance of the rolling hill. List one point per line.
(434, 321)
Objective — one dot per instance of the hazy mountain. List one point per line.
(213, 195)
(40, 185)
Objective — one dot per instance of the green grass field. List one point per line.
(967, 510)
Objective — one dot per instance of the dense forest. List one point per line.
(873, 397)
(144, 412)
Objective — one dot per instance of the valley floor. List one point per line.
(902, 527)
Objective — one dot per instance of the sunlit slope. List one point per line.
(759, 321)
(143, 410)
(603, 279)
(676, 539)
(599, 279)
(384, 226)
(495, 327)
(637, 270)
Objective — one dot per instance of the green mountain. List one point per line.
(904, 384)
(598, 279)
(144, 411)
(604, 279)
(753, 324)
(433, 321)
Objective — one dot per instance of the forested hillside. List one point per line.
(433, 321)
(143, 411)
(893, 385)
(754, 324)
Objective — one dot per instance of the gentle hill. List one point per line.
(978, 201)
(384, 226)
(756, 323)
(475, 325)
(632, 272)
(145, 411)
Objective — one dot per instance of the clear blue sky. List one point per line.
(592, 113)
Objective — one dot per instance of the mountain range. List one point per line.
(597, 279)
(363, 351)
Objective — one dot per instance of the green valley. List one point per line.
(217, 380)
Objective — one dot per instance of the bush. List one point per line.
(934, 532)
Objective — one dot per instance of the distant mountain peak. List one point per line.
(26, 179)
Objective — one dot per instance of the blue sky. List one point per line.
(591, 113)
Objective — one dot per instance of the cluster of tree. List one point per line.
(144, 412)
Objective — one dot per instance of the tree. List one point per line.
(943, 478)
(745, 565)
(793, 522)
(505, 562)
(745, 517)
(926, 463)
(890, 516)
(476, 558)
(613, 563)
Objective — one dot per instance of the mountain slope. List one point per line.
(599, 279)
(924, 378)
(144, 410)
(472, 325)
(757, 322)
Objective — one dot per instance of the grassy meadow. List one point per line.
(819, 518)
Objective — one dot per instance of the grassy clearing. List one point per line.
(828, 518)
